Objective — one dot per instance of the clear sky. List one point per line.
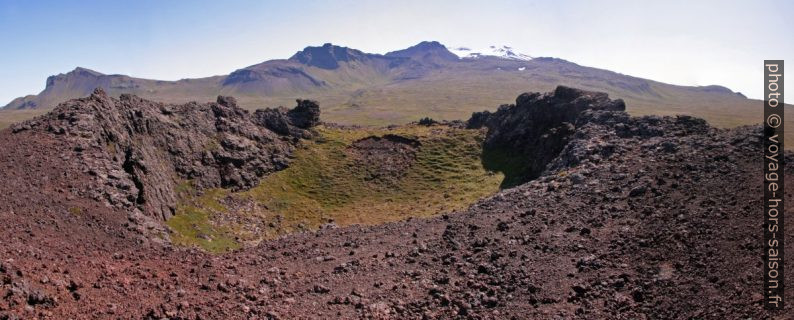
(680, 42)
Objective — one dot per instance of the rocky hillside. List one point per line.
(634, 218)
(139, 151)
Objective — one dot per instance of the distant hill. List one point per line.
(354, 87)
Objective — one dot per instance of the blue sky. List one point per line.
(679, 42)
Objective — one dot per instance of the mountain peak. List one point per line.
(430, 45)
(84, 72)
(81, 69)
(78, 72)
(425, 50)
(500, 51)
(327, 56)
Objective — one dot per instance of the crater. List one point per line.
(341, 177)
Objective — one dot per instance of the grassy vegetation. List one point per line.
(9, 117)
(324, 183)
(193, 223)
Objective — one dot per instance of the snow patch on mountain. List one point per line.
(504, 52)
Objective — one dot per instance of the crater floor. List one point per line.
(343, 176)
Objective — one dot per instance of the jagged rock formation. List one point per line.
(538, 126)
(595, 129)
(140, 151)
(294, 122)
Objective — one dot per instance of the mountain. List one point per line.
(81, 82)
(427, 52)
(401, 86)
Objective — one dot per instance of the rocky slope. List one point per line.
(635, 218)
(139, 151)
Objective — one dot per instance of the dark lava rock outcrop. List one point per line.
(140, 150)
(537, 127)
(294, 122)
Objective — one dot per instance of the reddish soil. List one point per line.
(628, 222)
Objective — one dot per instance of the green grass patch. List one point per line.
(194, 225)
(326, 182)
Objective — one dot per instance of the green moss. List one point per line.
(324, 182)
(185, 188)
(212, 145)
(193, 223)
(75, 210)
(111, 146)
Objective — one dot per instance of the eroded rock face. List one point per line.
(305, 115)
(538, 126)
(294, 122)
(140, 150)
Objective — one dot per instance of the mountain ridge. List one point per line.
(327, 57)
(424, 80)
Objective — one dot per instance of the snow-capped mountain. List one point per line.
(504, 52)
